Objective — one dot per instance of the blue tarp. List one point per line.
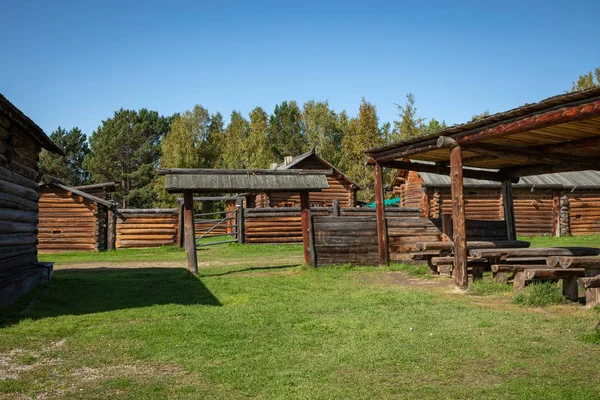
(389, 202)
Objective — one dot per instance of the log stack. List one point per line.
(146, 228)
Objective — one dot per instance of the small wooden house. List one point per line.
(21, 142)
(341, 187)
(100, 190)
(558, 204)
(71, 219)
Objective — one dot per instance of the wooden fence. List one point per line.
(146, 228)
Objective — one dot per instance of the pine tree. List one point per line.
(285, 131)
(234, 152)
(409, 125)
(433, 126)
(257, 145)
(587, 81)
(68, 168)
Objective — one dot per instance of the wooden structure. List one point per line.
(341, 187)
(70, 219)
(558, 204)
(146, 228)
(190, 181)
(559, 134)
(101, 190)
(21, 142)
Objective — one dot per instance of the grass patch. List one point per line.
(540, 295)
(485, 287)
(164, 253)
(414, 270)
(567, 241)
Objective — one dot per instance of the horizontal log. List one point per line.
(537, 252)
(295, 239)
(450, 260)
(62, 246)
(22, 262)
(473, 245)
(579, 262)
(14, 251)
(531, 274)
(515, 267)
(17, 227)
(590, 282)
(14, 239)
(142, 231)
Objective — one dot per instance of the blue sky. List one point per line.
(73, 63)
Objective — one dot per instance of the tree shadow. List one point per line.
(89, 291)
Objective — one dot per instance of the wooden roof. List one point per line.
(107, 186)
(297, 160)
(85, 195)
(265, 180)
(30, 127)
(558, 134)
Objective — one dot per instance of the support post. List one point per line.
(336, 208)
(112, 229)
(382, 236)
(239, 205)
(306, 231)
(190, 235)
(509, 210)
(180, 227)
(458, 211)
(447, 225)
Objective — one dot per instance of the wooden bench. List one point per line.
(592, 290)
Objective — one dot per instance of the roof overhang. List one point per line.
(178, 180)
(559, 134)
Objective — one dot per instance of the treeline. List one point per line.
(129, 146)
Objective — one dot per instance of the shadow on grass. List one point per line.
(78, 292)
(249, 269)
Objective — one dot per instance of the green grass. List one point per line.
(165, 253)
(567, 241)
(257, 325)
(487, 287)
(414, 270)
(540, 294)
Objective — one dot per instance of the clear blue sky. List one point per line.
(73, 63)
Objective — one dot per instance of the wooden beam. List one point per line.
(207, 171)
(458, 219)
(570, 145)
(509, 210)
(517, 172)
(112, 229)
(305, 217)
(382, 237)
(190, 235)
(239, 206)
(441, 170)
(575, 111)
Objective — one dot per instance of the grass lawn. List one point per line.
(254, 324)
(567, 241)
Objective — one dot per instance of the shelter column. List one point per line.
(112, 228)
(382, 235)
(509, 209)
(307, 233)
(458, 211)
(190, 235)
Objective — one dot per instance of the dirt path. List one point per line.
(394, 278)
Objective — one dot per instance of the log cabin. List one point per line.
(102, 190)
(559, 204)
(21, 142)
(341, 187)
(71, 219)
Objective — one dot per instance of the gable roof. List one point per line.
(297, 160)
(57, 183)
(30, 127)
(562, 180)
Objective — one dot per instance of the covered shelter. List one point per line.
(190, 181)
(558, 134)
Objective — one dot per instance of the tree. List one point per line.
(409, 125)
(362, 133)
(234, 152)
(185, 146)
(126, 149)
(68, 168)
(322, 129)
(215, 142)
(484, 114)
(433, 126)
(285, 131)
(587, 81)
(257, 144)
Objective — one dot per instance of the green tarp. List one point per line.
(389, 202)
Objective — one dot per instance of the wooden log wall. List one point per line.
(583, 209)
(202, 226)
(68, 222)
(346, 240)
(405, 232)
(146, 228)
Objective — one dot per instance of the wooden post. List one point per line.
(382, 236)
(239, 205)
(509, 210)
(180, 227)
(336, 208)
(112, 229)
(447, 225)
(458, 211)
(190, 235)
(306, 231)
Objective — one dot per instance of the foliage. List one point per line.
(539, 295)
(125, 149)
(285, 131)
(485, 287)
(587, 81)
(67, 168)
(322, 130)
(258, 151)
(215, 142)
(409, 125)
(363, 132)
(234, 152)
(482, 115)
(433, 126)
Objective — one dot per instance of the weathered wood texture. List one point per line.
(146, 228)
(346, 240)
(339, 189)
(382, 233)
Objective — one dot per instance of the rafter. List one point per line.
(435, 169)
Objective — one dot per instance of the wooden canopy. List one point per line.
(190, 181)
(559, 134)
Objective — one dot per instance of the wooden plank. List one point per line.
(509, 211)
(305, 215)
(190, 236)
(537, 252)
(458, 219)
(382, 235)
